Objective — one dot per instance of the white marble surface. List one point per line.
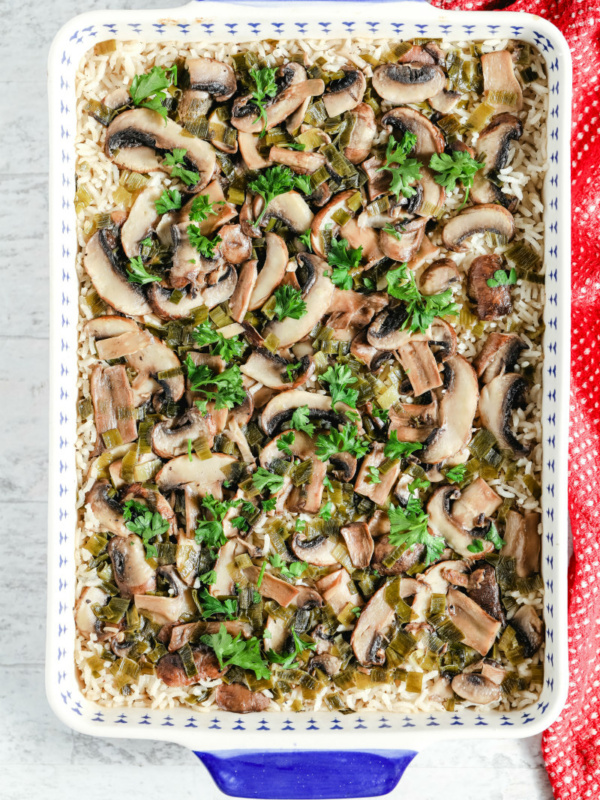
(39, 756)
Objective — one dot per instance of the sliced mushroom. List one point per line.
(144, 128)
(192, 104)
(149, 363)
(457, 411)
(314, 551)
(476, 688)
(308, 598)
(165, 308)
(344, 94)
(240, 299)
(408, 83)
(421, 367)
(388, 330)
(445, 101)
(110, 391)
(240, 700)
(441, 574)
(281, 408)
(212, 76)
(498, 400)
(343, 466)
(132, 573)
(442, 523)
(413, 422)
(402, 246)
(383, 548)
(529, 629)
(272, 272)
(430, 139)
(109, 277)
(492, 149)
(477, 502)
(359, 543)
(209, 474)
(477, 219)
(304, 163)
(248, 144)
(377, 492)
(335, 589)
(324, 220)
(170, 671)
(142, 218)
(369, 633)
(430, 198)
(522, 542)
(373, 358)
(291, 208)
(478, 629)
(270, 369)
(107, 510)
(171, 437)
(484, 590)
(362, 133)
(164, 610)
(110, 326)
(272, 587)
(492, 302)
(498, 356)
(245, 115)
(86, 621)
(224, 584)
(501, 89)
(438, 276)
(123, 345)
(235, 246)
(326, 663)
(221, 285)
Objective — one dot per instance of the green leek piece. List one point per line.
(403, 643)
(320, 176)
(311, 139)
(450, 124)
(341, 217)
(522, 256)
(96, 544)
(113, 611)
(125, 671)
(482, 443)
(144, 445)
(85, 408)
(143, 473)
(340, 553)
(337, 162)
(96, 303)
(201, 448)
(220, 317)
(236, 196)
(301, 473)
(128, 465)
(479, 117)
(272, 343)
(112, 438)
(316, 114)
(448, 631)
(510, 646)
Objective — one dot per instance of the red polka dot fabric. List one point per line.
(571, 746)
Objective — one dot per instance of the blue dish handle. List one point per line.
(306, 774)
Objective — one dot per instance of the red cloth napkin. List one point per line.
(571, 746)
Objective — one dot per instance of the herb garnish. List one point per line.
(228, 348)
(145, 523)
(343, 258)
(395, 449)
(170, 200)
(211, 605)
(344, 441)
(373, 476)
(239, 652)
(227, 388)
(327, 510)
(421, 309)
(502, 279)
(137, 272)
(460, 166)
(147, 91)
(202, 207)
(265, 87)
(406, 170)
(339, 378)
(293, 571)
(204, 245)
(300, 420)
(285, 442)
(287, 661)
(271, 183)
(176, 160)
(408, 526)
(456, 474)
(494, 537)
(289, 303)
(263, 479)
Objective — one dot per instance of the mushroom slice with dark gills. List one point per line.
(359, 543)
(438, 276)
(369, 635)
(483, 588)
(476, 503)
(245, 114)
(303, 163)
(476, 688)
(343, 466)
(212, 76)
(220, 285)
(492, 302)
(324, 220)
(149, 363)
(272, 271)
(456, 413)
(164, 610)
(141, 220)
(408, 83)
(442, 523)
(209, 474)
(522, 542)
(291, 208)
(270, 369)
(377, 492)
(362, 133)
(171, 437)
(499, 355)
(478, 628)
(344, 94)
(107, 510)
(477, 219)
(86, 621)
(421, 367)
(445, 101)
(414, 422)
(529, 629)
(143, 128)
(498, 400)
(501, 88)
(281, 408)
(235, 246)
(389, 330)
(170, 670)
(240, 299)
(404, 244)
(430, 138)
(317, 291)
(306, 498)
(373, 358)
(317, 551)
(240, 700)
(111, 391)
(132, 573)
(326, 663)
(109, 277)
(492, 148)
(165, 307)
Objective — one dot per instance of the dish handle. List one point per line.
(306, 774)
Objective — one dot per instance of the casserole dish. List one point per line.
(371, 750)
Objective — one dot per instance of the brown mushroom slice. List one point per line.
(221, 285)
(212, 76)
(421, 367)
(484, 590)
(476, 688)
(445, 101)
(235, 246)
(304, 163)
(498, 356)
(324, 220)
(245, 115)
(253, 159)
(343, 466)
(362, 133)
(377, 492)
(477, 219)
(413, 422)
(307, 498)
(478, 628)
(224, 211)
(492, 149)
(240, 299)
(192, 104)
(408, 83)
(170, 671)
(442, 523)
(141, 127)
(432, 196)
(335, 589)
(389, 331)
(492, 302)
(272, 587)
(142, 218)
(238, 699)
(311, 272)
(498, 399)
(410, 234)
(86, 621)
(123, 345)
(522, 542)
(132, 573)
(164, 610)
(209, 474)
(440, 575)
(290, 207)
(171, 437)
(373, 358)
(315, 551)
(281, 408)
(272, 271)
(270, 369)
(383, 548)
(109, 326)
(359, 543)
(164, 306)
(224, 584)
(477, 502)
(529, 628)
(457, 411)
(107, 510)
(426, 250)
(344, 94)
(438, 277)
(308, 598)
(110, 391)
(109, 277)
(430, 138)
(149, 363)
(326, 663)
(364, 237)
(278, 631)
(501, 89)
(370, 630)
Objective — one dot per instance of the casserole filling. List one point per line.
(312, 288)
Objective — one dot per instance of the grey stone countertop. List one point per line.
(39, 756)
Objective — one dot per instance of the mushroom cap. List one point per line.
(207, 473)
(498, 399)
(477, 219)
(408, 83)
(160, 300)
(270, 369)
(438, 276)
(492, 302)
(386, 332)
(476, 688)
(364, 129)
(141, 220)
(314, 551)
(442, 523)
(344, 94)
(499, 354)
(290, 207)
(281, 408)
(170, 438)
(170, 671)
(359, 543)
(499, 79)
(240, 700)
(235, 246)
(272, 272)
(132, 573)
(245, 114)
(212, 76)
(492, 148)
(430, 138)
(369, 632)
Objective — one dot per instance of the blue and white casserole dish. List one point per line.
(372, 747)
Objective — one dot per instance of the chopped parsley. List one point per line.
(293, 571)
(303, 183)
(147, 91)
(300, 420)
(227, 390)
(456, 474)
(202, 208)
(395, 449)
(339, 379)
(289, 303)
(270, 183)
(211, 606)
(176, 160)
(374, 476)
(460, 166)
(170, 200)
(476, 546)
(502, 279)
(404, 171)
(408, 526)
(494, 537)
(306, 240)
(264, 88)
(344, 441)
(327, 510)
(145, 523)
(291, 369)
(204, 245)
(343, 258)
(421, 309)
(228, 348)
(285, 442)
(137, 272)
(263, 479)
(239, 652)
(269, 505)
(287, 661)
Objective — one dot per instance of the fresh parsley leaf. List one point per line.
(393, 232)
(356, 611)
(210, 533)
(494, 537)
(293, 571)
(261, 574)
(456, 474)
(176, 160)
(339, 378)
(302, 182)
(227, 389)
(290, 369)
(242, 653)
(421, 309)
(374, 475)
(289, 303)
(270, 183)
(395, 449)
(211, 605)
(369, 284)
(344, 441)
(170, 200)
(147, 91)
(327, 511)
(241, 523)
(408, 526)
(502, 279)
(202, 207)
(300, 420)
(189, 450)
(286, 661)
(285, 441)
(264, 87)
(145, 523)
(306, 240)
(381, 413)
(476, 547)
(327, 484)
(460, 166)
(228, 348)
(343, 258)
(406, 171)
(300, 525)
(208, 578)
(204, 245)
(419, 483)
(269, 505)
(263, 479)
(137, 272)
